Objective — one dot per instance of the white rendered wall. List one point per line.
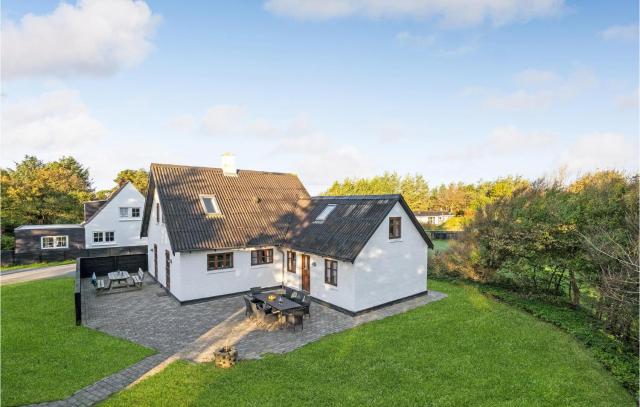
(126, 230)
(387, 270)
(157, 233)
(341, 295)
(196, 282)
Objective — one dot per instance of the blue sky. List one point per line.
(326, 90)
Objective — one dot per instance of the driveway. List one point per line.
(20, 276)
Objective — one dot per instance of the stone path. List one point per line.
(154, 319)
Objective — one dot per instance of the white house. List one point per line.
(115, 222)
(214, 232)
(433, 217)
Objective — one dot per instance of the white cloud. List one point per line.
(318, 158)
(406, 38)
(55, 120)
(628, 101)
(540, 89)
(451, 13)
(601, 151)
(504, 141)
(434, 43)
(222, 120)
(184, 123)
(535, 77)
(93, 37)
(621, 33)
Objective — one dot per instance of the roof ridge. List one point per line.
(218, 168)
(345, 197)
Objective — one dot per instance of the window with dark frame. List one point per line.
(331, 272)
(291, 262)
(135, 212)
(219, 261)
(262, 256)
(395, 228)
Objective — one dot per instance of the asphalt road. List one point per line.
(38, 274)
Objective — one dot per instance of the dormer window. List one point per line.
(210, 205)
(325, 213)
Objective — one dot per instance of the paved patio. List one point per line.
(152, 318)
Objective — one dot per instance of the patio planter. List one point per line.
(226, 357)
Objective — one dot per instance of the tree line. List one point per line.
(461, 199)
(40, 193)
(577, 241)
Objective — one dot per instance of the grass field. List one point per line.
(463, 350)
(45, 356)
(440, 245)
(35, 265)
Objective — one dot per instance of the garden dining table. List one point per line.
(280, 302)
(118, 276)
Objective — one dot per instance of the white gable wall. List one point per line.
(127, 230)
(157, 234)
(387, 270)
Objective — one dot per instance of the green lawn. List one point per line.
(45, 356)
(35, 265)
(463, 350)
(440, 245)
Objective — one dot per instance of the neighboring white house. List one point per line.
(433, 217)
(214, 232)
(115, 222)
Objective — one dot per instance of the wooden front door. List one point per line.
(155, 261)
(306, 275)
(167, 256)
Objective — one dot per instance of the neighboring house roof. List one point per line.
(256, 207)
(433, 213)
(106, 202)
(59, 226)
(347, 229)
(91, 207)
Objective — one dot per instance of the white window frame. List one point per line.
(214, 201)
(126, 209)
(54, 242)
(103, 235)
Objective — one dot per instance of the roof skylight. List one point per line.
(325, 213)
(210, 205)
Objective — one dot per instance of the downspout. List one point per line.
(283, 264)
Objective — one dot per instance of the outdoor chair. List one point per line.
(248, 309)
(306, 305)
(295, 296)
(137, 278)
(295, 318)
(287, 292)
(98, 284)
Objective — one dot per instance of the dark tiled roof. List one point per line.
(347, 229)
(91, 207)
(256, 206)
